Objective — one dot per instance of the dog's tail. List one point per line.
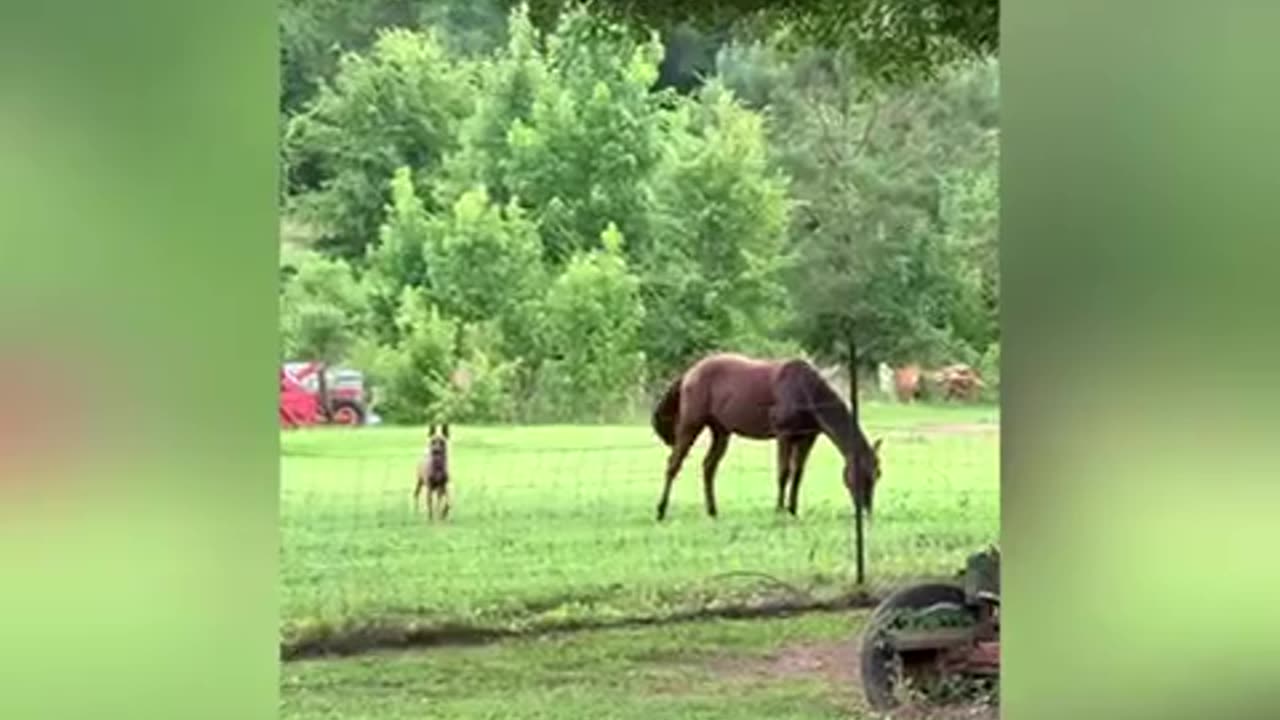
(667, 411)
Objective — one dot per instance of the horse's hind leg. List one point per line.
(799, 455)
(719, 444)
(685, 436)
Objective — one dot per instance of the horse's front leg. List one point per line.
(799, 455)
(784, 470)
(719, 444)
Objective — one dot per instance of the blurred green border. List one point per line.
(139, 188)
(1137, 249)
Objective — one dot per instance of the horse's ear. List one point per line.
(444, 429)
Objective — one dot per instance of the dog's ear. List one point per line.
(444, 429)
(432, 431)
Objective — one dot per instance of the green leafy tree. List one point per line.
(321, 308)
(482, 258)
(314, 33)
(901, 40)
(321, 311)
(970, 214)
(483, 386)
(398, 106)
(410, 374)
(593, 319)
(398, 260)
(711, 280)
(874, 274)
(509, 83)
(484, 262)
(583, 157)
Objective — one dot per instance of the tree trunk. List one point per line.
(860, 543)
(853, 380)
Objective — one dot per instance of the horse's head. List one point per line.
(860, 475)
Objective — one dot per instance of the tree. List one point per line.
(476, 261)
(710, 280)
(320, 313)
(593, 318)
(970, 214)
(507, 88)
(901, 40)
(583, 157)
(320, 307)
(398, 260)
(398, 106)
(874, 275)
(411, 374)
(314, 33)
(484, 262)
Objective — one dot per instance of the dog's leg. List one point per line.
(444, 499)
(431, 504)
(417, 492)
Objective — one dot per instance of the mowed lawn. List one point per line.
(556, 524)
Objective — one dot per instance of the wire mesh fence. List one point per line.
(556, 526)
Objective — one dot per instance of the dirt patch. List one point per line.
(957, 429)
(326, 641)
(837, 664)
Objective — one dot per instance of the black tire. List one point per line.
(877, 660)
(346, 409)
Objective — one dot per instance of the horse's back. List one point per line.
(734, 391)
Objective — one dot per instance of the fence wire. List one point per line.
(540, 536)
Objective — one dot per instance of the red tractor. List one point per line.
(307, 399)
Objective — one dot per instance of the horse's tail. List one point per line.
(666, 412)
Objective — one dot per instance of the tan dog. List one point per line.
(433, 472)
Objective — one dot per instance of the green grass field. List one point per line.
(555, 525)
(800, 668)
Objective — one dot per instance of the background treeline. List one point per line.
(500, 217)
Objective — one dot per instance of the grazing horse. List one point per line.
(957, 381)
(433, 472)
(906, 383)
(788, 400)
(960, 381)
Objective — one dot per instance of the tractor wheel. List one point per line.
(888, 674)
(346, 412)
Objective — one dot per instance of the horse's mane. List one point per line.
(807, 390)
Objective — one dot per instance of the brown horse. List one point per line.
(956, 381)
(788, 400)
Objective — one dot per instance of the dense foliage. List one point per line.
(499, 218)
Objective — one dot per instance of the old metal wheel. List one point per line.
(888, 674)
